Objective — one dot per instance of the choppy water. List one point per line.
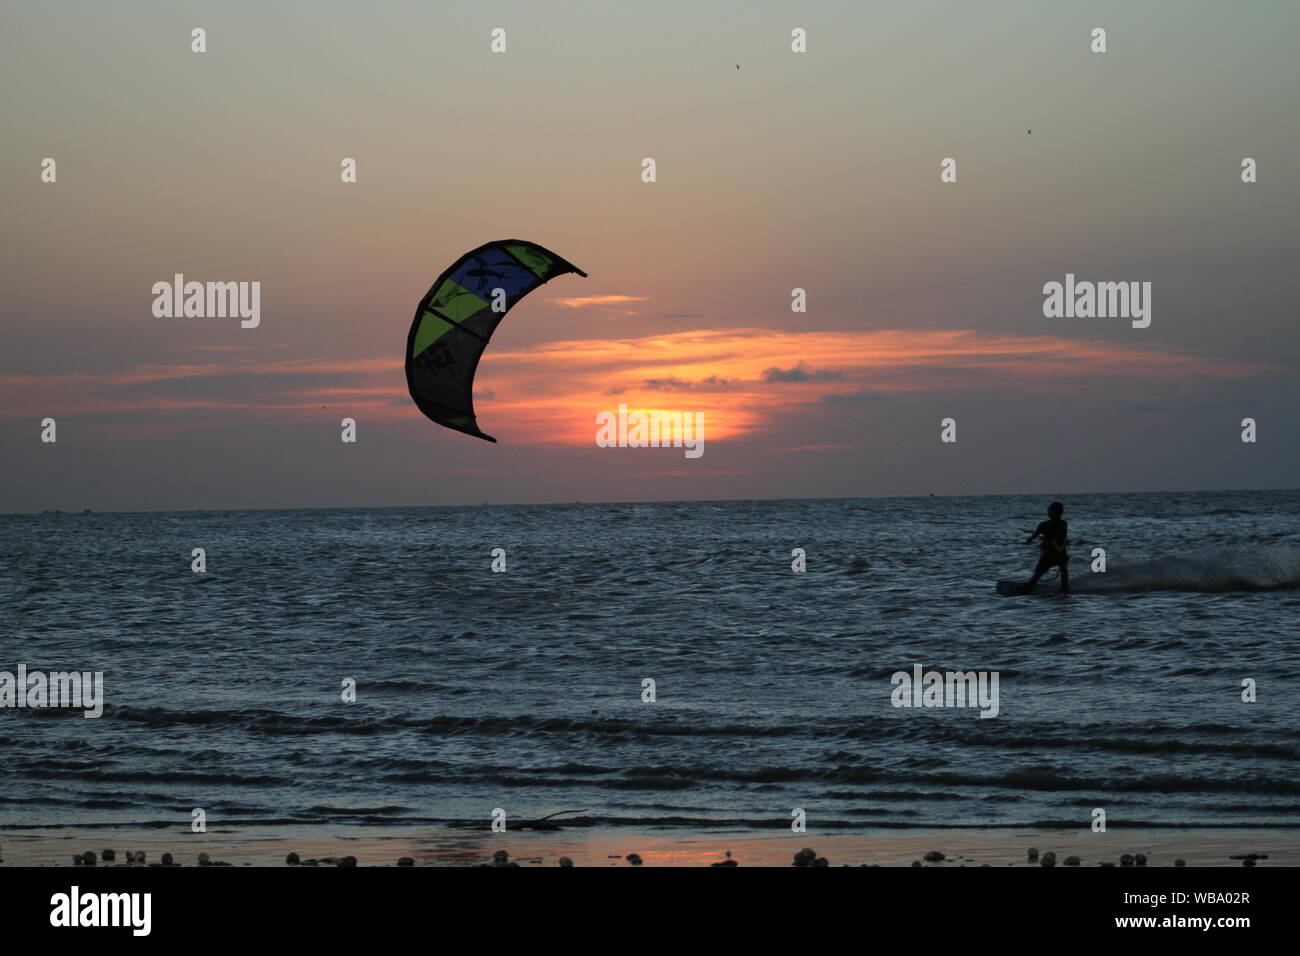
(522, 690)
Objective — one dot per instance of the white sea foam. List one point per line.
(1234, 568)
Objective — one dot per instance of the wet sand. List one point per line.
(597, 846)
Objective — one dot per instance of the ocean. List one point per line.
(524, 690)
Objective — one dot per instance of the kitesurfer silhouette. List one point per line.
(1054, 533)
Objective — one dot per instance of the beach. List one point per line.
(612, 846)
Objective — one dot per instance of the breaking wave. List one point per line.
(1237, 568)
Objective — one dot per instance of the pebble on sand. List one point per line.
(139, 856)
(565, 861)
(1049, 859)
(1180, 862)
(1033, 854)
(635, 859)
(405, 861)
(88, 858)
(1126, 860)
(110, 855)
(1072, 861)
(1140, 859)
(166, 859)
(348, 861)
(204, 859)
(805, 857)
(292, 859)
(934, 856)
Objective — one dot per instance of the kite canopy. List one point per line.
(455, 320)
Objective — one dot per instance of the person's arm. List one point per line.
(1036, 532)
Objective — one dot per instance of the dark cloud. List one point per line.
(800, 374)
(667, 385)
(672, 384)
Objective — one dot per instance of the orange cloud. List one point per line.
(553, 391)
(742, 380)
(587, 301)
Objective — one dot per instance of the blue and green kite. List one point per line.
(456, 318)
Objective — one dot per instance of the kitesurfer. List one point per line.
(1054, 532)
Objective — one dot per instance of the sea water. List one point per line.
(526, 689)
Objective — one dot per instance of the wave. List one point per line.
(681, 821)
(1230, 568)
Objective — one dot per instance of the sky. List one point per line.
(817, 170)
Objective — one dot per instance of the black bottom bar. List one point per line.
(944, 906)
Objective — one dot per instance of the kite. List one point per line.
(456, 318)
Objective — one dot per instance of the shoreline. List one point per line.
(607, 846)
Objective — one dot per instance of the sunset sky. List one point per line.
(817, 170)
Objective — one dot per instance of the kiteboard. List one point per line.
(1041, 589)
